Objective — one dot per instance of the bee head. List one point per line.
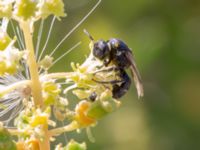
(101, 49)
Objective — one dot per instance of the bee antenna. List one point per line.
(88, 34)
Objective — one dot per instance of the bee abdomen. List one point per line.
(120, 90)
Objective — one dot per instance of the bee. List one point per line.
(117, 52)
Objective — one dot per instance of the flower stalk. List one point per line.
(32, 64)
(45, 142)
(70, 127)
(57, 75)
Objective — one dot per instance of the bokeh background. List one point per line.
(165, 38)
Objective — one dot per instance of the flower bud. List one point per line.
(76, 146)
(46, 62)
(25, 9)
(81, 114)
(51, 92)
(33, 144)
(100, 109)
(39, 120)
(51, 7)
(5, 8)
(4, 40)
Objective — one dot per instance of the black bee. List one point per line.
(117, 52)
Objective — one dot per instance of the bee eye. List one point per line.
(101, 49)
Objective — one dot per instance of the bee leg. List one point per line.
(109, 82)
(120, 90)
(112, 68)
(108, 69)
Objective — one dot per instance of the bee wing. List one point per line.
(135, 74)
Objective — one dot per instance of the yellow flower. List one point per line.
(51, 7)
(4, 40)
(81, 114)
(51, 92)
(25, 9)
(39, 120)
(5, 8)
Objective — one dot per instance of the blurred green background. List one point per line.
(165, 38)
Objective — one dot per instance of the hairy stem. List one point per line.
(33, 67)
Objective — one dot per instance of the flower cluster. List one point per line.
(31, 9)
(35, 99)
(31, 122)
(9, 55)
